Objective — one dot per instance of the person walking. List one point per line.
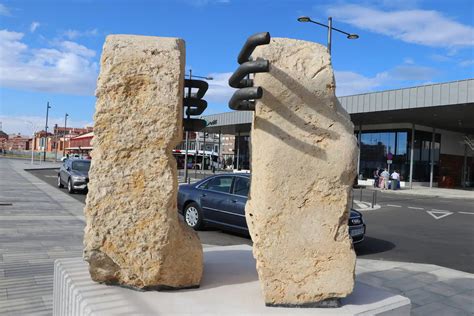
(395, 178)
(386, 177)
(376, 178)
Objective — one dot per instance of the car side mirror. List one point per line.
(68, 168)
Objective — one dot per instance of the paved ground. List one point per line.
(42, 225)
(36, 226)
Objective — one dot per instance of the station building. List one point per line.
(425, 132)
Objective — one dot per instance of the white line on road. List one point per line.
(48, 176)
(435, 213)
(393, 205)
(416, 208)
(469, 213)
(436, 210)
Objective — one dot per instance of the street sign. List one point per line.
(389, 162)
(389, 156)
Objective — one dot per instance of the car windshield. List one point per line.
(81, 165)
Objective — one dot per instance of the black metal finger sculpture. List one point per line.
(244, 98)
(194, 105)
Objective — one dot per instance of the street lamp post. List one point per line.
(64, 134)
(330, 28)
(46, 132)
(186, 142)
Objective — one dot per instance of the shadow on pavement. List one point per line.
(372, 245)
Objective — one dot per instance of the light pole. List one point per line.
(186, 142)
(330, 28)
(64, 134)
(34, 128)
(46, 131)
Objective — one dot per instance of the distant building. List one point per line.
(81, 144)
(424, 132)
(18, 142)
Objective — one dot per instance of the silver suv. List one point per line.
(74, 173)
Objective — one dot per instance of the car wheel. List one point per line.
(193, 216)
(70, 189)
(60, 185)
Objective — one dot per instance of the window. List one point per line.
(81, 165)
(220, 184)
(241, 186)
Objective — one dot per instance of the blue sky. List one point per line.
(50, 50)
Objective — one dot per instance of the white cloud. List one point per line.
(67, 67)
(34, 26)
(349, 82)
(405, 72)
(73, 34)
(424, 27)
(219, 89)
(466, 63)
(441, 58)
(26, 125)
(4, 10)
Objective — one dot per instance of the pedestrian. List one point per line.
(395, 179)
(386, 177)
(376, 178)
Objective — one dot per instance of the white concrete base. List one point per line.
(229, 287)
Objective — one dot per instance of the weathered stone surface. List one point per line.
(303, 166)
(134, 236)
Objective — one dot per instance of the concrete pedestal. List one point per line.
(229, 287)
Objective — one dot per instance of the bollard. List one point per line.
(361, 194)
(352, 196)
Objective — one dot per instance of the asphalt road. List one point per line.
(406, 228)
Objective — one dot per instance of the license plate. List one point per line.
(356, 232)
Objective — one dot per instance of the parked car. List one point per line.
(74, 173)
(219, 201)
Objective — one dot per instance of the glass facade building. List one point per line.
(376, 147)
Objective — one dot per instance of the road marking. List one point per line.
(393, 205)
(416, 208)
(469, 213)
(433, 213)
(47, 176)
(436, 210)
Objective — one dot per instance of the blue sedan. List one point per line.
(219, 201)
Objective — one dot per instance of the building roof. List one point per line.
(86, 135)
(448, 105)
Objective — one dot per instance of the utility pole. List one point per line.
(186, 143)
(46, 132)
(64, 134)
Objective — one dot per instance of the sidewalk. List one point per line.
(42, 224)
(434, 192)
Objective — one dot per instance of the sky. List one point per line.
(50, 50)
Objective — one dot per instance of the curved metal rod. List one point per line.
(255, 66)
(199, 84)
(193, 125)
(240, 100)
(251, 43)
(195, 106)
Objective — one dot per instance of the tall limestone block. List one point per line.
(303, 168)
(133, 235)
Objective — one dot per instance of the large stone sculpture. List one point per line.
(303, 167)
(133, 235)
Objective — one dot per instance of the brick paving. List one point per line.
(37, 228)
(43, 224)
